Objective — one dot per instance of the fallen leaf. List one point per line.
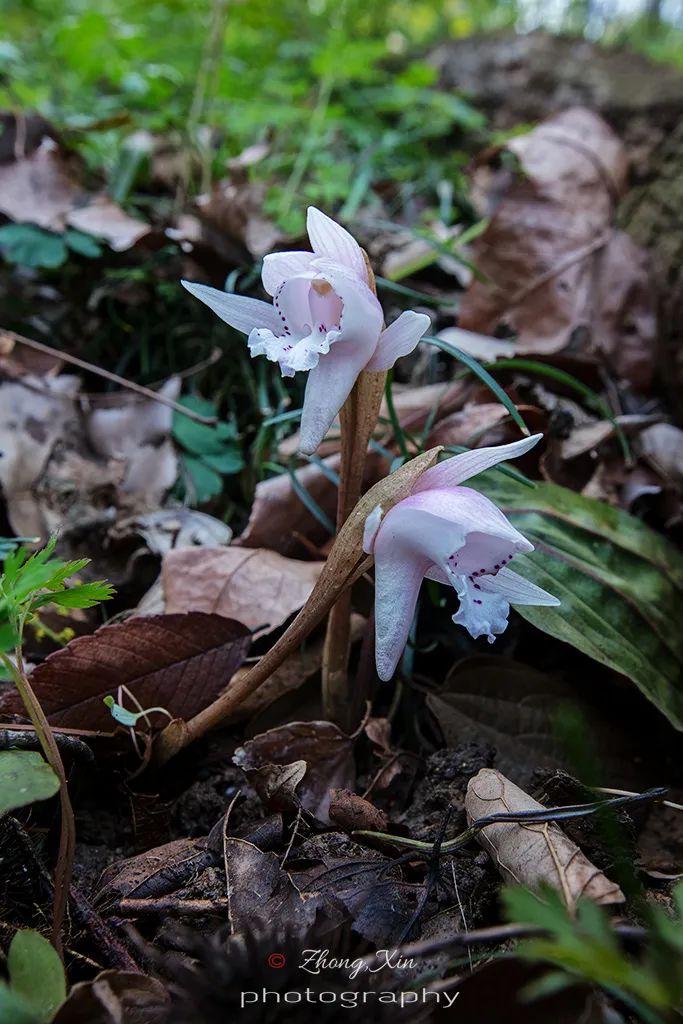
(554, 269)
(662, 447)
(531, 854)
(105, 219)
(45, 188)
(35, 414)
(517, 709)
(380, 904)
(292, 674)
(179, 662)
(260, 893)
(137, 431)
(322, 747)
(156, 872)
(116, 997)
(351, 812)
(234, 210)
(257, 587)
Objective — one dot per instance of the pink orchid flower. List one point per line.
(454, 535)
(325, 319)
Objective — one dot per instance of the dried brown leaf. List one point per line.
(554, 268)
(260, 893)
(324, 750)
(533, 854)
(351, 812)
(179, 662)
(156, 872)
(257, 587)
(115, 997)
(45, 188)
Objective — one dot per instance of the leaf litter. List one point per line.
(274, 814)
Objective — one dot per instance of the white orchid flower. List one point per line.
(325, 319)
(457, 536)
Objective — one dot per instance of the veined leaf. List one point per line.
(620, 584)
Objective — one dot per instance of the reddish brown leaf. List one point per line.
(115, 997)
(179, 662)
(325, 750)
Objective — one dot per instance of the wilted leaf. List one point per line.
(24, 778)
(137, 431)
(45, 189)
(662, 447)
(156, 872)
(116, 997)
(620, 584)
(553, 267)
(518, 709)
(533, 854)
(36, 973)
(257, 587)
(351, 812)
(325, 750)
(261, 893)
(179, 662)
(32, 421)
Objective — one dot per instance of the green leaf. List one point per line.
(14, 1009)
(36, 973)
(24, 779)
(198, 438)
(84, 245)
(30, 246)
(207, 484)
(230, 461)
(620, 584)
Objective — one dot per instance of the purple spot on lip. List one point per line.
(477, 600)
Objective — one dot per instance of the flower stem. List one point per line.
(358, 419)
(67, 838)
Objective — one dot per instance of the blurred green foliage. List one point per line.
(334, 86)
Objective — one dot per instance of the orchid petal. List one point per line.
(399, 339)
(332, 240)
(240, 311)
(453, 471)
(516, 589)
(481, 613)
(398, 575)
(328, 386)
(279, 266)
(330, 382)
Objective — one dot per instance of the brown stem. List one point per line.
(358, 419)
(67, 838)
(179, 734)
(139, 389)
(344, 565)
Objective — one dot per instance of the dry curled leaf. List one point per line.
(156, 872)
(45, 188)
(115, 997)
(554, 269)
(535, 853)
(324, 750)
(178, 662)
(258, 587)
(351, 812)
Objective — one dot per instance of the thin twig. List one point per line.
(130, 385)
